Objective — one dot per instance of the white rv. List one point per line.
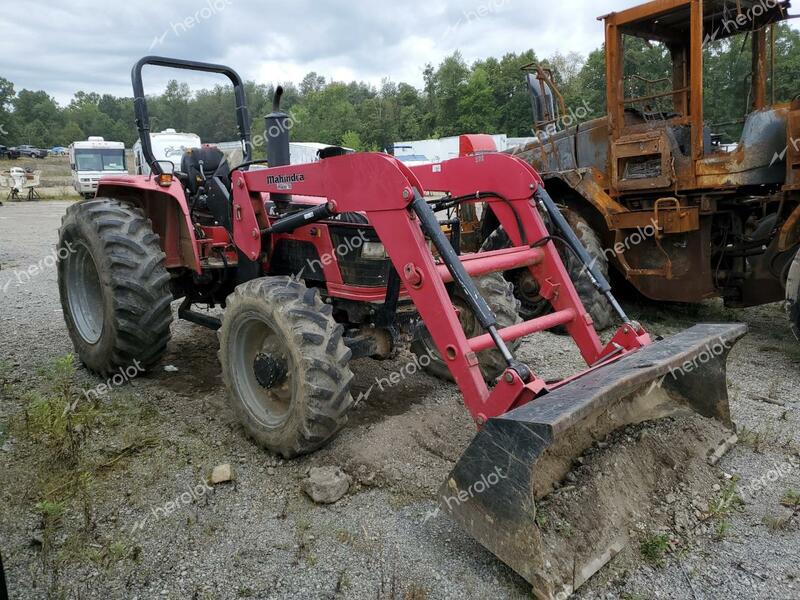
(92, 159)
(167, 145)
(308, 152)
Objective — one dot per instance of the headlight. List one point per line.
(373, 251)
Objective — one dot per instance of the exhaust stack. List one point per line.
(277, 125)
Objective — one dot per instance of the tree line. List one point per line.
(488, 96)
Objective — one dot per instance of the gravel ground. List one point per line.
(133, 528)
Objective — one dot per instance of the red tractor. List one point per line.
(317, 264)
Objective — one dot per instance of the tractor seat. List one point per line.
(200, 164)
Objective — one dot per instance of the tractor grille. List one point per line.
(348, 242)
(293, 256)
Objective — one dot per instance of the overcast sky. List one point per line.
(66, 45)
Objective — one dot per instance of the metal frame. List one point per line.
(143, 117)
(391, 196)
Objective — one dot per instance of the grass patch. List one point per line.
(721, 530)
(654, 549)
(728, 501)
(66, 433)
(791, 499)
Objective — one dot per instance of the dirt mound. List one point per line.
(410, 453)
(620, 490)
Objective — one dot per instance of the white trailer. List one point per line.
(167, 145)
(308, 152)
(93, 158)
(439, 150)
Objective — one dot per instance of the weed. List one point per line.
(52, 514)
(58, 418)
(752, 439)
(778, 522)
(727, 503)
(415, 592)
(654, 548)
(791, 499)
(722, 530)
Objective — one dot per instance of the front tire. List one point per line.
(499, 295)
(285, 365)
(113, 286)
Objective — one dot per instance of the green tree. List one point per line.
(351, 139)
(71, 132)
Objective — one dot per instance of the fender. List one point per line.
(168, 210)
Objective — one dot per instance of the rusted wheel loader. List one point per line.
(719, 203)
(278, 247)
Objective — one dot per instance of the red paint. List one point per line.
(380, 187)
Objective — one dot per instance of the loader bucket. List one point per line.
(519, 461)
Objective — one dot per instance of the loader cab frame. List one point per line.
(658, 134)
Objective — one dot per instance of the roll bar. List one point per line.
(143, 117)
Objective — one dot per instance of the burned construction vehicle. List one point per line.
(726, 217)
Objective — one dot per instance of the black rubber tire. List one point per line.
(320, 375)
(499, 295)
(595, 303)
(534, 306)
(793, 296)
(133, 284)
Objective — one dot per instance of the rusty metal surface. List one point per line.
(617, 170)
(673, 219)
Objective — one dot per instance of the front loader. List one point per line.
(277, 246)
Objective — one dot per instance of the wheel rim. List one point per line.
(527, 291)
(262, 370)
(85, 294)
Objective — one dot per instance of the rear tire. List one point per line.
(285, 365)
(113, 286)
(793, 296)
(526, 287)
(499, 295)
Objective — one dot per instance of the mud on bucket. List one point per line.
(554, 487)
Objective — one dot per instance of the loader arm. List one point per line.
(530, 430)
(391, 195)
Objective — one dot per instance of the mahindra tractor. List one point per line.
(318, 264)
(725, 216)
